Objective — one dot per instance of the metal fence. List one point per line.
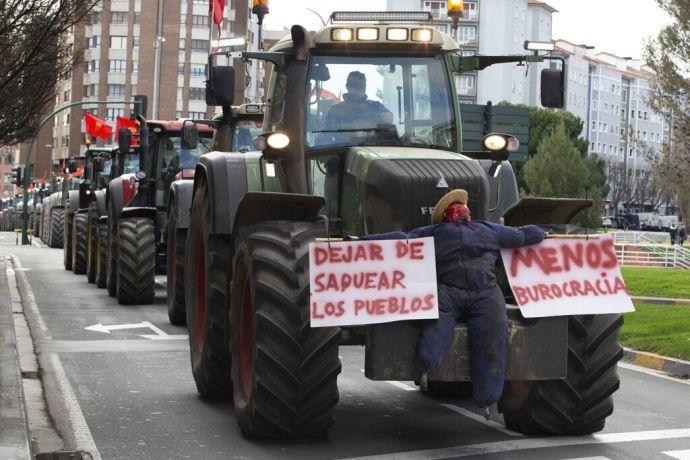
(652, 255)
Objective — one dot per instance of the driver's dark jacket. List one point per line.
(355, 113)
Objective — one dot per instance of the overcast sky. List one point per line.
(616, 26)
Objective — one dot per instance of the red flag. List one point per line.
(43, 179)
(97, 127)
(31, 187)
(79, 172)
(125, 123)
(216, 7)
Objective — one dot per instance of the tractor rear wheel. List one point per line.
(176, 244)
(207, 262)
(136, 265)
(101, 255)
(284, 373)
(91, 241)
(111, 273)
(57, 221)
(67, 240)
(79, 237)
(580, 403)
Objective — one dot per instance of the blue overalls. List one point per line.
(466, 255)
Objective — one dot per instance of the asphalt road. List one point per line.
(128, 393)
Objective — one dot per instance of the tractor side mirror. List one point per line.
(552, 89)
(190, 136)
(124, 139)
(220, 86)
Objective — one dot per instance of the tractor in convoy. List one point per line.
(254, 214)
(233, 133)
(79, 201)
(137, 202)
(54, 208)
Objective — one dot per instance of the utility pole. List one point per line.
(158, 46)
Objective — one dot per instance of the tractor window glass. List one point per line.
(104, 173)
(276, 103)
(245, 132)
(131, 163)
(404, 101)
(172, 158)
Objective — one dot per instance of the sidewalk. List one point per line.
(14, 438)
(661, 300)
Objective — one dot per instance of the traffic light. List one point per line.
(17, 176)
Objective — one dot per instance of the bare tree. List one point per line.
(36, 53)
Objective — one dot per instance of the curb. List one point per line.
(672, 366)
(14, 428)
(660, 300)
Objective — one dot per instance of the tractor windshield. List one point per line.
(245, 132)
(172, 158)
(405, 101)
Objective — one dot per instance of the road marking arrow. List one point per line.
(159, 333)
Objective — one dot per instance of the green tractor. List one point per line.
(316, 175)
(233, 133)
(79, 204)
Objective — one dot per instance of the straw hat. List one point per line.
(456, 196)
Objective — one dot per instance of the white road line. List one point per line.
(480, 418)
(679, 454)
(82, 434)
(28, 299)
(588, 458)
(34, 241)
(644, 370)
(524, 444)
(401, 385)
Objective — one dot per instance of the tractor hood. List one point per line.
(544, 211)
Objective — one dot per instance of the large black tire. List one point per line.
(91, 241)
(57, 222)
(176, 245)
(136, 265)
(67, 239)
(285, 374)
(111, 273)
(580, 403)
(207, 261)
(79, 241)
(101, 255)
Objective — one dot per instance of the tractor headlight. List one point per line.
(422, 35)
(278, 141)
(342, 35)
(495, 142)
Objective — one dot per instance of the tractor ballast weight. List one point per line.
(253, 216)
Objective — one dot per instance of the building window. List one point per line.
(467, 35)
(93, 42)
(466, 85)
(594, 126)
(112, 114)
(197, 115)
(180, 69)
(135, 42)
(118, 42)
(118, 17)
(197, 94)
(137, 18)
(199, 20)
(200, 45)
(118, 65)
(594, 105)
(198, 70)
(116, 90)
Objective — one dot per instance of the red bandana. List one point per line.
(457, 212)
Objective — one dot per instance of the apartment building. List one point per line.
(493, 27)
(157, 48)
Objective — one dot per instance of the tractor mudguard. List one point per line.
(72, 205)
(226, 174)
(258, 206)
(139, 212)
(544, 211)
(115, 196)
(101, 203)
(182, 192)
(503, 189)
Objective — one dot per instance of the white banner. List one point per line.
(567, 277)
(369, 282)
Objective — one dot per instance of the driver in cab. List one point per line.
(356, 111)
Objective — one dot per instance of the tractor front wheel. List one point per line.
(136, 265)
(57, 222)
(206, 274)
(111, 272)
(79, 240)
(580, 403)
(101, 255)
(284, 372)
(91, 241)
(176, 244)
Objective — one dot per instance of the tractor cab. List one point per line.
(98, 163)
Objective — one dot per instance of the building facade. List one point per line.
(156, 48)
(493, 27)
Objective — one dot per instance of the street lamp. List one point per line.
(158, 46)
